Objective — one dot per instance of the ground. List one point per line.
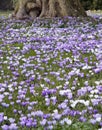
(5, 13)
(51, 74)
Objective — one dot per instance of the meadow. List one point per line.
(51, 74)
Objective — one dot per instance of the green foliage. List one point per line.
(92, 4)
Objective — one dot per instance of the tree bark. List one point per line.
(48, 8)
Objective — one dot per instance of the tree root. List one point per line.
(48, 8)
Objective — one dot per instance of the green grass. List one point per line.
(80, 126)
(48, 67)
(5, 13)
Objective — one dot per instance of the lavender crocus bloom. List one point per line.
(13, 126)
(82, 119)
(5, 127)
(1, 117)
(43, 122)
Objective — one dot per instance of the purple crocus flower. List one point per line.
(43, 122)
(5, 127)
(93, 121)
(28, 124)
(82, 119)
(1, 97)
(1, 117)
(13, 126)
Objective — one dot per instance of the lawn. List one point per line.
(51, 74)
(5, 13)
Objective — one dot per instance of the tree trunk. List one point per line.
(48, 8)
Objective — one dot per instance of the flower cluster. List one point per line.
(50, 73)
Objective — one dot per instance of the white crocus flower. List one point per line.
(100, 129)
(68, 121)
(98, 119)
(74, 103)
